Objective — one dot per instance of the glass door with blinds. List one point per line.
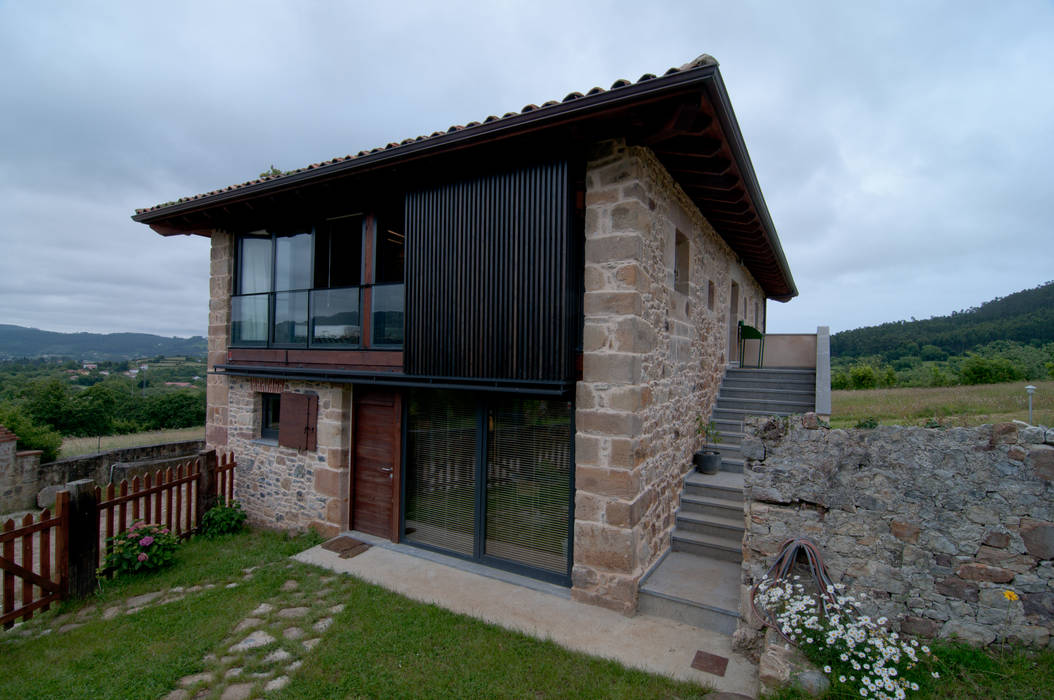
(490, 480)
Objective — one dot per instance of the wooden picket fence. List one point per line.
(45, 559)
(26, 562)
(169, 498)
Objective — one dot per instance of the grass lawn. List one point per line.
(379, 644)
(74, 446)
(952, 406)
(973, 674)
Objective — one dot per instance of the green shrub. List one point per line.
(31, 435)
(141, 547)
(863, 377)
(840, 380)
(988, 370)
(939, 378)
(869, 423)
(222, 520)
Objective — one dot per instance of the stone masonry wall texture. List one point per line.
(653, 360)
(221, 279)
(932, 525)
(282, 487)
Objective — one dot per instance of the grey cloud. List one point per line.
(903, 148)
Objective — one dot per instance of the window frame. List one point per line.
(367, 267)
(268, 402)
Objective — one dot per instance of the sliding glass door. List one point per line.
(490, 479)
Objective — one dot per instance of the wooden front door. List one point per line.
(376, 449)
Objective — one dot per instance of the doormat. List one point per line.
(710, 663)
(346, 547)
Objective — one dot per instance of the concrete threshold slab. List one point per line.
(524, 605)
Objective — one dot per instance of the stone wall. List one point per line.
(221, 279)
(19, 474)
(931, 525)
(284, 487)
(653, 360)
(20, 486)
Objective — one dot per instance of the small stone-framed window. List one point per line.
(270, 415)
(290, 418)
(711, 294)
(681, 263)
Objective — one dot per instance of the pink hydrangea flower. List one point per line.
(142, 556)
(146, 542)
(164, 531)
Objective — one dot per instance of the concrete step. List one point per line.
(720, 548)
(731, 451)
(800, 395)
(769, 372)
(712, 506)
(730, 437)
(737, 415)
(796, 383)
(732, 464)
(766, 404)
(723, 485)
(694, 590)
(728, 425)
(728, 527)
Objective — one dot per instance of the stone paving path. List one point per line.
(263, 648)
(269, 644)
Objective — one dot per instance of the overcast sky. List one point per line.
(905, 150)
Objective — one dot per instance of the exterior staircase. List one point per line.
(699, 580)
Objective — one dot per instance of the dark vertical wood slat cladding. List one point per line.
(491, 281)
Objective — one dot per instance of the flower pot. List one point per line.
(707, 461)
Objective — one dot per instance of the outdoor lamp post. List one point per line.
(1031, 390)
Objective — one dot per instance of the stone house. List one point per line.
(496, 341)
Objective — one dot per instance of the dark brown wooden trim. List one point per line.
(369, 245)
(357, 360)
(373, 358)
(256, 355)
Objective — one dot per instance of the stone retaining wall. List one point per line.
(654, 351)
(26, 478)
(932, 525)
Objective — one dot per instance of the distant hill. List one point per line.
(1024, 317)
(18, 342)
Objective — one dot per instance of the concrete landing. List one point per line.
(703, 581)
(695, 590)
(646, 642)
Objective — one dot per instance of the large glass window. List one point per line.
(335, 317)
(255, 265)
(305, 288)
(290, 318)
(292, 262)
(387, 314)
(249, 316)
(490, 479)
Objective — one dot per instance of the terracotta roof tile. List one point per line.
(702, 60)
(6, 435)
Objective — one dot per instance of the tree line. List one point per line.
(1025, 317)
(992, 363)
(40, 404)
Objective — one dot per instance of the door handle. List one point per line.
(386, 470)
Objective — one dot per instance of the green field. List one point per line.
(72, 447)
(951, 406)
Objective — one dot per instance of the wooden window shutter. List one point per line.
(297, 428)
